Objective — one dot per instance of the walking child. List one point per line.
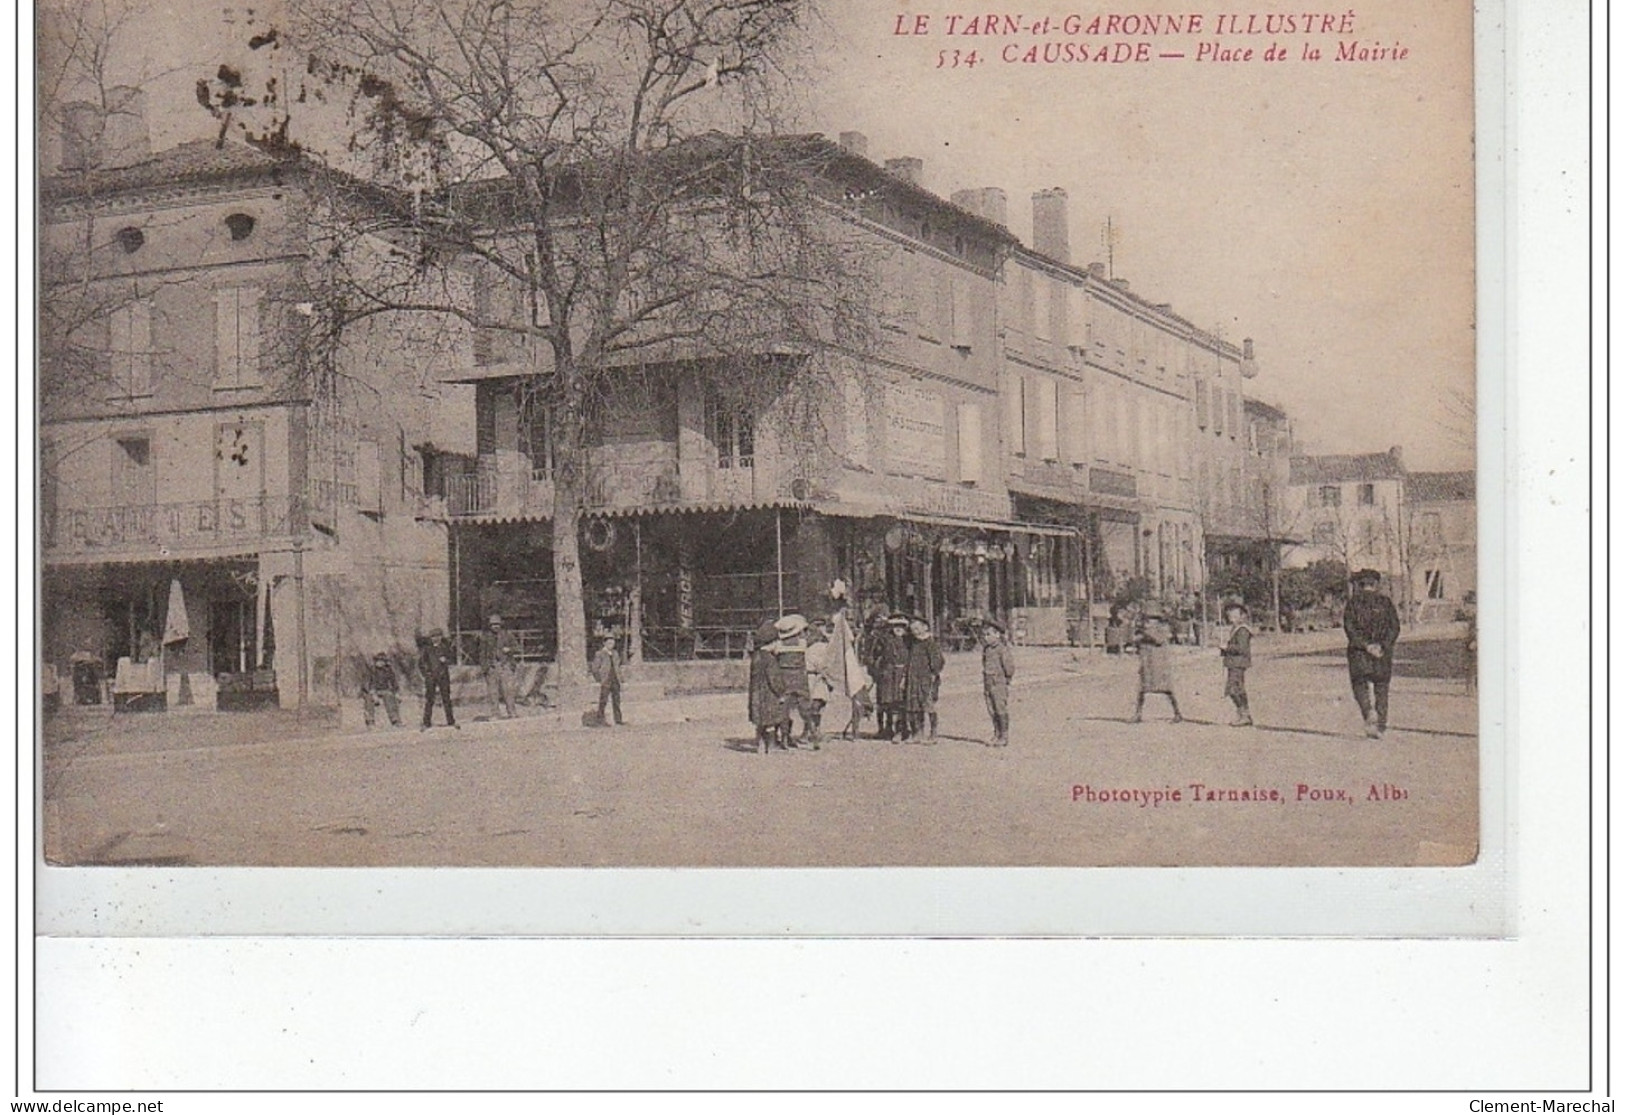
(1237, 654)
(998, 668)
(1156, 665)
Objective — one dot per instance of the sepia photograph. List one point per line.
(730, 433)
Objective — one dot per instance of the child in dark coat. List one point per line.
(1237, 654)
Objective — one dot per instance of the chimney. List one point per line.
(1097, 270)
(124, 137)
(1050, 235)
(1246, 348)
(986, 201)
(908, 169)
(1120, 284)
(856, 143)
(1398, 454)
(81, 136)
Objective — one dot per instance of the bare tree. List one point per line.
(597, 189)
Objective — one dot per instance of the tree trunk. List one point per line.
(570, 604)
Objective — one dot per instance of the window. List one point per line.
(1048, 432)
(496, 301)
(1201, 404)
(1331, 496)
(130, 239)
(135, 476)
(130, 350)
(1076, 427)
(1324, 534)
(1435, 583)
(1015, 413)
(732, 432)
(1368, 495)
(240, 225)
(960, 334)
(237, 337)
(970, 443)
(535, 437)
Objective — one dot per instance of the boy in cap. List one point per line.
(434, 662)
(380, 686)
(606, 671)
(891, 676)
(499, 662)
(922, 682)
(998, 668)
(1237, 655)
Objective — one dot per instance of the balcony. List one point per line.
(159, 530)
(525, 493)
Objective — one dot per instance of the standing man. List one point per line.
(499, 662)
(1372, 625)
(379, 687)
(434, 662)
(998, 668)
(606, 670)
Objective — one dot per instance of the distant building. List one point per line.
(1351, 508)
(1444, 539)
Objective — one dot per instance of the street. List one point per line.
(1078, 786)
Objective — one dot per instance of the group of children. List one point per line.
(893, 670)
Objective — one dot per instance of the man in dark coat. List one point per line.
(434, 662)
(1372, 625)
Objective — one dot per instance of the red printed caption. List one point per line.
(1226, 38)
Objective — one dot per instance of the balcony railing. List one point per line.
(175, 527)
(500, 492)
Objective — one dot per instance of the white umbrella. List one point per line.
(176, 627)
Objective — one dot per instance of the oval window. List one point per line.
(241, 225)
(131, 239)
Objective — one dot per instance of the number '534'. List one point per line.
(953, 59)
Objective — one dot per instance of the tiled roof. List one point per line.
(200, 160)
(1438, 487)
(1344, 467)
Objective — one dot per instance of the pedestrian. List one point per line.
(379, 685)
(765, 703)
(891, 675)
(434, 662)
(819, 687)
(843, 662)
(922, 681)
(790, 653)
(1237, 654)
(606, 671)
(1116, 632)
(998, 668)
(499, 662)
(1371, 623)
(1156, 664)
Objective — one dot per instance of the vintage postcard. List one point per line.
(845, 434)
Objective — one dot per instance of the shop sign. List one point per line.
(916, 432)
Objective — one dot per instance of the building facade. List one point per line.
(1443, 537)
(226, 516)
(1352, 509)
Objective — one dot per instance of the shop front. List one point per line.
(144, 636)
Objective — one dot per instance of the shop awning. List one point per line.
(1006, 525)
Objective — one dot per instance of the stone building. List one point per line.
(1352, 508)
(228, 512)
(1443, 527)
